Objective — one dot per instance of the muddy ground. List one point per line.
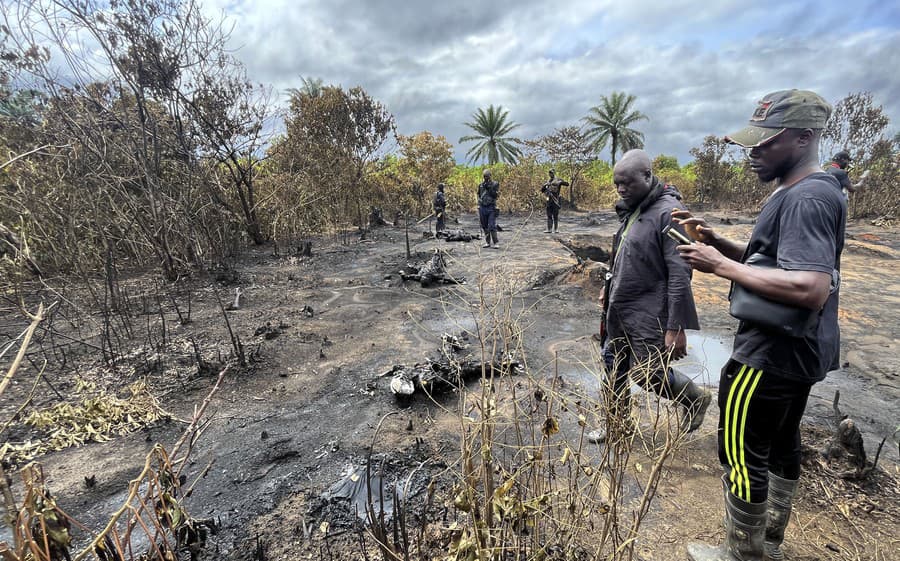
(322, 330)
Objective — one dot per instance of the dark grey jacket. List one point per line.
(488, 191)
(651, 283)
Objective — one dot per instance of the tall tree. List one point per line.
(331, 140)
(493, 142)
(427, 160)
(137, 120)
(856, 124)
(610, 123)
(714, 169)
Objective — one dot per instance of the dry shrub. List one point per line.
(527, 484)
(152, 523)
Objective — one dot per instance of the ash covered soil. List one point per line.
(322, 330)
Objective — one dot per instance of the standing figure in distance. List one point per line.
(649, 302)
(488, 191)
(552, 190)
(838, 168)
(764, 387)
(439, 204)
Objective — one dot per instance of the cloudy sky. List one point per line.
(696, 67)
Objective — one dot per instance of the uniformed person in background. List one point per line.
(438, 205)
(838, 168)
(488, 191)
(552, 190)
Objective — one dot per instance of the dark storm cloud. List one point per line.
(423, 25)
(696, 69)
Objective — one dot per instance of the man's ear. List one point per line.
(805, 137)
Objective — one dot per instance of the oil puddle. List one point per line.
(707, 353)
(578, 357)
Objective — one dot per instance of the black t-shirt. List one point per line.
(803, 226)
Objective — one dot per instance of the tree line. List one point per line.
(152, 146)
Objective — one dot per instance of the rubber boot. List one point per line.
(692, 397)
(781, 495)
(495, 244)
(745, 533)
(618, 414)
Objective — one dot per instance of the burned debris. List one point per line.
(458, 235)
(450, 370)
(846, 452)
(376, 217)
(587, 248)
(432, 272)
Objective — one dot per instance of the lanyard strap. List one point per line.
(631, 219)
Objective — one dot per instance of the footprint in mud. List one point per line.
(356, 304)
(374, 295)
(415, 336)
(564, 346)
(426, 333)
(335, 294)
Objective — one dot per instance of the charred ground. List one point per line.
(318, 333)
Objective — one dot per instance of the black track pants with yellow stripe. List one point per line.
(759, 428)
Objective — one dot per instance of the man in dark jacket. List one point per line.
(764, 388)
(439, 204)
(488, 191)
(650, 302)
(553, 190)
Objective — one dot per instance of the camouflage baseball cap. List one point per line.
(778, 111)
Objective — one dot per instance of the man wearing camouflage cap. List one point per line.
(764, 387)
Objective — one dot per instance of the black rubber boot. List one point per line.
(692, 397)
(619, 422)
(745, 533)
(781, 495)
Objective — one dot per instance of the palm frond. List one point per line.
(492, 127)
(612, 119)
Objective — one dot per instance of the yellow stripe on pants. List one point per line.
(736, 408)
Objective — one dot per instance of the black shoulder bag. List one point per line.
(772, 316)
(776, 317)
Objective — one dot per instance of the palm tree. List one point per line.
(610, 121)
(493, 142)
(312, 87)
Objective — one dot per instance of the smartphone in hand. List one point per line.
(676, 235)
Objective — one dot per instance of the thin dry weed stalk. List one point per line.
(152, 523)
(528, 484)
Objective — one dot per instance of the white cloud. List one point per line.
(695, 67)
